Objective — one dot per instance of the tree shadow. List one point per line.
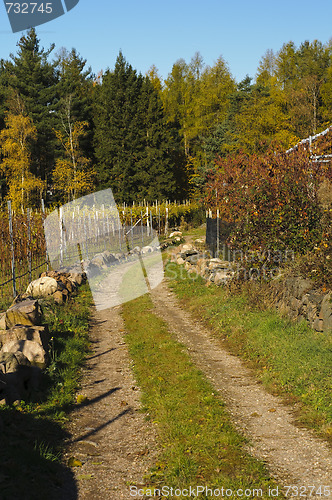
(30, 466)
(100, 354)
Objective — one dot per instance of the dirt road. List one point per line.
(117, 446)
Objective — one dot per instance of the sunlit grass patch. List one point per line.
(200, 445)
(290, 357)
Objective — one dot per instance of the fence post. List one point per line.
(44, 217)
(218, 233)
(166, 222)
(131, 228)
(147, 221)
(85, 220)
(119, 231)
(61, 234)
(142, 229)
(9, 203)
(29, 245)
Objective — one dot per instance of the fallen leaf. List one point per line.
(74, 462)
(85, 476)
(81, 399)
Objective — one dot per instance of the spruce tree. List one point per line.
(118, 140)
(154, 176)
(75, 85)
(134, 144)
(33, 78)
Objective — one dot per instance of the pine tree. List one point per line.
(135, 147)
(154, 176)
(117, 128)
(75, 84)
(31, 75)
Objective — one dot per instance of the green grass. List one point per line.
(196, 232)
(290, 358)
(33, 433)
(199, 444)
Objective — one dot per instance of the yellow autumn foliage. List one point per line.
(72, 175)
(16, 163)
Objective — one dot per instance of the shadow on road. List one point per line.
(30, 467)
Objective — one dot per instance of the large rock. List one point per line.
(193, 259)
(221, 276)
(38, 334)
(42, 287)
(76, 278)
(18, 379)
(147, 249)
(176, 234)
(25, 313)
(33, 351)
(59, 297)
(109, 257)
(10, 361)
(326, 312)
(187, 247)
(99, 261)
(218, 264)
(3, 324)
(64, 282)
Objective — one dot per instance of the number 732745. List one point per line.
(29, 8)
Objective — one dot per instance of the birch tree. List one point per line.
(15, 142)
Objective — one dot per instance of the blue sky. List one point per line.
(160, 32)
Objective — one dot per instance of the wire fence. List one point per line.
(24, 254)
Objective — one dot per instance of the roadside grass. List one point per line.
(290, 358)
(199, 443)
(196, 232)
(33, 433)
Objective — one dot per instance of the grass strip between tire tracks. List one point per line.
(200, 445)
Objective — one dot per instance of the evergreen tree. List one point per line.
(118, 140)
(154, 176)
(75, 85)
(31, 75)
(132, 142)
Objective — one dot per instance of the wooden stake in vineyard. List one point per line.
(10, 214)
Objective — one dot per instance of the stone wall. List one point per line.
(297, 298)
(293, 296)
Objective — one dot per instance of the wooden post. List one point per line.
(131, 228)
(10, 214)
(119, 229)
(61, 234)
(44, 217)
(142, 233)
(29, 245)
(147, 221)
(159, 221)
(166, 222)
(218, 233)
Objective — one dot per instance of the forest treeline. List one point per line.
(65, 131)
